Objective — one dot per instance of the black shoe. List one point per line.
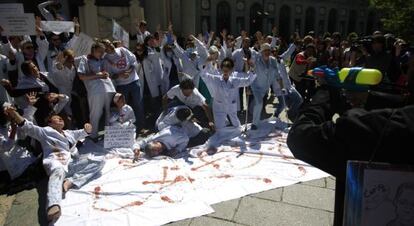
(253, 127)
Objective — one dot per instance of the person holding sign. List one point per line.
(93, 73)
(121, 64)
(58, 147)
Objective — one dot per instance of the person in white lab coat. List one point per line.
(124, 114)
(186, 94)
(99, 86)
(142, 32)
(58, 147)
(62, 75)
(171, 141)
(179, 116)
(225, 88)
(150, 80)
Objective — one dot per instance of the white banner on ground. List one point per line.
(119, 33)
(164, 189)
(82, 45)
(11, 8)
(18, 24)
(58, 27)
(119, 136)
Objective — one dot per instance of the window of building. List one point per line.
(223, 18)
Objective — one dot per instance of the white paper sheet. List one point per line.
(155, 192)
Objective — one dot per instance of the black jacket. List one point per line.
(317, 140)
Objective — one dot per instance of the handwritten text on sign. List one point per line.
(119, 136)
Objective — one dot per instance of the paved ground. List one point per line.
(308, 204)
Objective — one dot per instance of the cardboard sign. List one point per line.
(379, 194)
(82, 45)
(119, 33)
(18, 24)
(58, 27)
(119, 136)
(11, 8)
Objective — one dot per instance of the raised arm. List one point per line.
(242, 79)
(45, 13)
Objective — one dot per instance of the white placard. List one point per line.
(119, 136)
(11, 8)
(119, 33)
(58, 27)
(18, 24)
(82, 45)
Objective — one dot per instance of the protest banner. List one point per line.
(82, 45)
(118, 33)
(18, 24)
(119, 136)
(58, 27)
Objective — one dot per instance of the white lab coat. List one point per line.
(192, 67)
(225, 95)
(173, 137)
(169, 118)
(125, 116)
(57, 148)
(4, 96)
(167, 65)
(14, 158)
(153, 72)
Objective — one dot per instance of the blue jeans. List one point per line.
(132, 94)
(292, 100)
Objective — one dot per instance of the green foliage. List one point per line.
(397, 16)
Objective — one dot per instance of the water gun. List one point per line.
(355, 78)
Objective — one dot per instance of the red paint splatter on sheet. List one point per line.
(267, 180)
(166, 199)
(224, 176)
(207, 163)
(98, 190)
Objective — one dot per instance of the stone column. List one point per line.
(189, 17)
(136, 13)
(88, 18)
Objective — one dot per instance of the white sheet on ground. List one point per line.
(155, 192)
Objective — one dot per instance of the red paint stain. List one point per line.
(97, 191)
(267, 180)
(302, 169)
(207, 163)
(224, 176)
(166, 199)
(191, 179)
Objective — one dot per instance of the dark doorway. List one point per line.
(332, 20)
(284, 21)
(310, 19)
(223, 16)
(352, 21)
(256, 18)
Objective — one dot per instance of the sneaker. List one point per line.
(53, 214)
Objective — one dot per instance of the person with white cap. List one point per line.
(179, 116)
(267, 73)
(124, 114)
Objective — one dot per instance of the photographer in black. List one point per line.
(382, 135)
